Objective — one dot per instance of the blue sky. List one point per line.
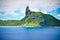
(15, 9)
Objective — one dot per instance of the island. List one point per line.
(32, 18)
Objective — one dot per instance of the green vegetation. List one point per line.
(34, 19)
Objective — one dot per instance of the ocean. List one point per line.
(29, 33)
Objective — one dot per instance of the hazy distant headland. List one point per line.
(32, 19)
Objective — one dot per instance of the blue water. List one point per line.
(28, 33)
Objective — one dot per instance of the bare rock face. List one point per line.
(27, 12)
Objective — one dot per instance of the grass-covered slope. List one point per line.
(40, 19)
(34, 19)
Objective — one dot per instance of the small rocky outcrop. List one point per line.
(27, 12)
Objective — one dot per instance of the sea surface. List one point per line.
(29, 33)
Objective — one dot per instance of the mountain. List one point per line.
(32, 19)
(40, 19)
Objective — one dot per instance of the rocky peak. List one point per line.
(27, 12)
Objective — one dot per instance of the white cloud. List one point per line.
(44, 12)
(10, 5)
(36, 10)
(22, 11)
(58, 15)
(46, 4)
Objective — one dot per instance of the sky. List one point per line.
(15, 9)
